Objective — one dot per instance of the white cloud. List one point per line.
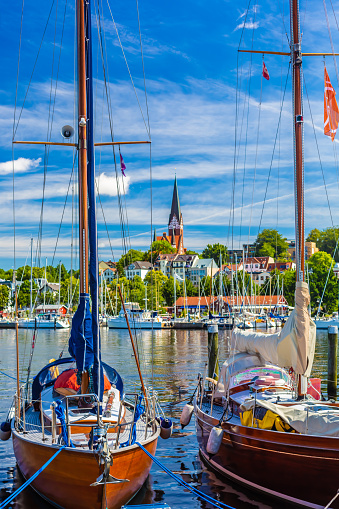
(21, 165)
(107, 185)
(248, 24)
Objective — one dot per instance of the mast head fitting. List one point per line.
(82, 122)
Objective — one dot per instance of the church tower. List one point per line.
(175, 222)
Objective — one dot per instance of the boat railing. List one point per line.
(51, 431)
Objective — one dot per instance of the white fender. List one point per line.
(186, 415)
(5, 431)
(214, 440)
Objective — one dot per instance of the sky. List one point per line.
(232, 154)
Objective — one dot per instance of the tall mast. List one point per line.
(82, 121)
(298, 128)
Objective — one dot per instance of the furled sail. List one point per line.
(293, 346)
(84, 343)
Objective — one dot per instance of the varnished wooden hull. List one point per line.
(301, 469)
(66, 481)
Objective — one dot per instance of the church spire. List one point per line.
(175, 209)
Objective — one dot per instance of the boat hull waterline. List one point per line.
(76, 470)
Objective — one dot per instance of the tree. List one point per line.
(266, 250)
(271, 242)
(327, 242)
(155, 280)
(4, 296)
(319, 265)
(24, 293)
(215, 251)
(314, 236)
(131, 256)
(168, 291)
(157, 247)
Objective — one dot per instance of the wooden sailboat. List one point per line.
(79, 402)
(258, 424)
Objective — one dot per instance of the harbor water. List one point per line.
(171, 359)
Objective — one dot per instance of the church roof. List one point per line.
(175, 209)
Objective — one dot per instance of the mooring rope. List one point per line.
(199, 493)
(30, 480)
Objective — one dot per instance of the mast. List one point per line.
(298, 128)
(82, 123)
(298, 131)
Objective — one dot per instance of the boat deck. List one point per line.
(33, 431)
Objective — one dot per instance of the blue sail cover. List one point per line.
(84, 343)
(98, 376)
(80, 344)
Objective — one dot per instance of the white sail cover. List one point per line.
(293, 346)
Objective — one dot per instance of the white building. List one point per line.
(108, 274)
(202, 268)
(137, 269)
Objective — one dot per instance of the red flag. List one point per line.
(331, 112)
(265, 71)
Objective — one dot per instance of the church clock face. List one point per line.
(174, 224)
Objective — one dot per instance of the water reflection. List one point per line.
(173, 360)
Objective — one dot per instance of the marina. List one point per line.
(179, 355)
(170, 293)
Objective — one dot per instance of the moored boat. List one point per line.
(263, 423)
(76, 414)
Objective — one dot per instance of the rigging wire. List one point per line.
(275, 142)
(150, 175)
(51, 111)
(13, 134)
(128, 69)
(255, 159)
(316, 142)
(231, 218)
(330, 36)
(34, 66)
(248, 107)
(64, 207)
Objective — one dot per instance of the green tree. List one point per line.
(155, 280)
(269, 237)
(4, 296)
(314, 236)
(214, 251)
(289, 286)
(157, 247)
(319, 264)
(24, 293)
(266, 250)
(168, 291)
(131, 256)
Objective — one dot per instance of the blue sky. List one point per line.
(191, 62)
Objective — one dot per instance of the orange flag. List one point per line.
(331, 112)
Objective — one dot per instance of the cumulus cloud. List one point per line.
(107, 185)
(21, 165)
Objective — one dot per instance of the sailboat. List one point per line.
(76, 413)
(258, 424)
